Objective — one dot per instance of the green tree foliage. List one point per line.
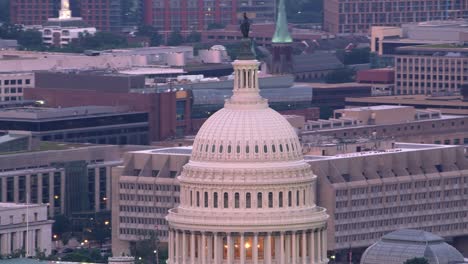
(85, 255)
(194, 37)
(61, 224)
(175, 39)
(416, 261)
(151, 33)
(144, 249)
(30, 40)
(98, 41)
(10, 31)
(343, 75)
(355, 56)
(99, 229)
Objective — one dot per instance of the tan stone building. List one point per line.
(401, 123)
(384, 187)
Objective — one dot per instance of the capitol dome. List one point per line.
(247, 195)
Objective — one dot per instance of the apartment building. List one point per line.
(401, 123)
(71, 179)
(359, 16)
(12, 85)
(24, 227)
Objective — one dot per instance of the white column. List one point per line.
(242, 248)
(282, 248)
(312, 247)
(267, 246)
(171, 248)
(177, 247)
(293, 247)
(97, 202)
(184, 248)
(209, 240)
(192, 247)
(62, 192)
(324, 245)
(288, 248)
(216, 248)
(16, 189)
(255, 248)
(108, 187)
(28, 188)
(51, 193)
(203, 248)
(304, 247)
(230, 248)
(39, 189)
(318, 246)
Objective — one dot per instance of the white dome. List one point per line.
(240, 135)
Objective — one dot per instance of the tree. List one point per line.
(145, 31)
(61, 225)
(30, 39)
(343, 75)
(146, 248)
(416, 261)
(354, 56)
(194, 37)
(175, 39)
(155, 39)
(10, 31)
(99, 229)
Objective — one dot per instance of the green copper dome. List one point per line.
(282, 32)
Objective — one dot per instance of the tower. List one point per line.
(247, 195)
(65, 12)
(281, 49)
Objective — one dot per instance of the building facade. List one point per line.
(69, 179)
(27, 13)
(12, 85)
(86, 124)
(358, 16)
(430, 69)
(25, 227)
(189, 15)
(402, 123)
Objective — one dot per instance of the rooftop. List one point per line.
(12, 206)
(43, 113)
(425, 100)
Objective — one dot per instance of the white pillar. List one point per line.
(171, 248)
(255, 249)
(216, 248)
(177, 247)
(203, 248)
(304, 247)
(318, 246)
(51, 194)
(97, 203)
(62, 192)
(324, 245)
(28, 188)
(209, 246)
(192, 247)
(293, 247)
(282, 248)
(288, 248)
(230, 248)
(184, 248)
(267, 246)
(242, 248)
(312, 247)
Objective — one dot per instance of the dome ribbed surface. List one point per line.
(246, 135)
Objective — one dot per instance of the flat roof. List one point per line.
(412, 99)
(376, 108)
(333, 85)
(12, 206)
(152, 71)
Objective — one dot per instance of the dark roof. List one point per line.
(318, 61)
(412, 235)
(75, 23)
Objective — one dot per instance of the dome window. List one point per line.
(229, 149)
(206, 200)
(213, 148)
(247, 149)
(273, 148)
(259, 200)
(238, 149)
(256, 148)
(287, 147)
(270, 199)
(215, 200)
(236, 200)
(221, 149)
(198, 199)
(281, 147)
(248, 200)
(265, 149)
(226, 200)
(280, 199)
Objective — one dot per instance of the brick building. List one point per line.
(103, 14)
(358, 16)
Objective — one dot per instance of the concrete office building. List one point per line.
(70, 179)
(359, 16)
(24, 227)
(450, 104)
(430, 69)
(384, 187)
(13, 83)
(85, 124)
(402, 123)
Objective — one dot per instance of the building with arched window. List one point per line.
(246, 193)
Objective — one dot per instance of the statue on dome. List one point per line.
(245, 26)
